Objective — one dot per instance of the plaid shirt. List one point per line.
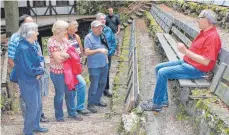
(12, 46)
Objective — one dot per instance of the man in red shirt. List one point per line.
(199, 59)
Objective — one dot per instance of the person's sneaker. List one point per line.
(41, 130)
(107, 93)
(60, 120)
(165, 104)
(151, 107)
(83, 112)
(44, 119)
(101, 104)
(92, 108)
(77, 117)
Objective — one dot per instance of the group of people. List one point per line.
(65, 50)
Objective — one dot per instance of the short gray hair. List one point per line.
(210, 15)
(99, 15)
(73, 23)
(28, 29)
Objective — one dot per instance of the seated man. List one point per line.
(199, 59)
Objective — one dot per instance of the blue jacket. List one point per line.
(110, 37)
(27, 61)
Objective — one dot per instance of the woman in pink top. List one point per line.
(57, 47)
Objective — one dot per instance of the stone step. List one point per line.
(129, 21)
(148, 4)
(147, 7)
(125, 24)
(141, 10)
(139, 14)
(122, 27)
(132, 17)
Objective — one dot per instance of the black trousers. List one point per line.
(108, 74)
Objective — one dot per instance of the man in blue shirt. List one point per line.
(110, 40)
(97, 60)
(12, 47)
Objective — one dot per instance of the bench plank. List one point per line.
(186, 83)
(181, 36)
(226, 74)
(217, 77)
(173, 44)
(222, 92)
(166, 47)
(202, 83)
(223, 56)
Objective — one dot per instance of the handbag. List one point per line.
(13, 76)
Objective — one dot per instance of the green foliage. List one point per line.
(93, 7)
(44, 41)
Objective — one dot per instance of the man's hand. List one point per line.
(181, 47)
(103, 50)
(38, 76)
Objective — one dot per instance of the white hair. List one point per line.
(26, 30)
(73, 23)
(99, 15)
(60, 24)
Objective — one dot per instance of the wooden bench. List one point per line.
(165, 21)
(184, 32)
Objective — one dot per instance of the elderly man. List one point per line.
(199, 59)
(109, 38)
(96, 53)
(12, 47)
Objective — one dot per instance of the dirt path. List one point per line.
(165, 122)
(96, 124)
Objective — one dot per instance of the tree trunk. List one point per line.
(11, 16)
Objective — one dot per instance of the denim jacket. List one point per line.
(27, 61)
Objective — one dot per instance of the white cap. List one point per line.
(96, 23)
(210, 15)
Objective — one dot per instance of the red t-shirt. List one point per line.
(206, 44)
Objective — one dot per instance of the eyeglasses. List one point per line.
(198, 18)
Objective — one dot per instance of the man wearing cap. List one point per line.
(108, 37)
(96, 53)
(199, 59)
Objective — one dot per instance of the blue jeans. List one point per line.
(61, 89)
(98, 79)
(108, 74)
(80, 91)
(172, 70)
(31, 95)
(22, 103)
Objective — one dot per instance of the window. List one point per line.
(62, 3)
(39, 3)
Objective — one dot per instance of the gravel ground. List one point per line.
(165, 122)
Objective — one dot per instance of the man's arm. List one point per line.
(88, 51)
(11, 62)
(118, 29)
(118, 22)
(197, 58)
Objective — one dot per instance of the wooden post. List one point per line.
(11, 16)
